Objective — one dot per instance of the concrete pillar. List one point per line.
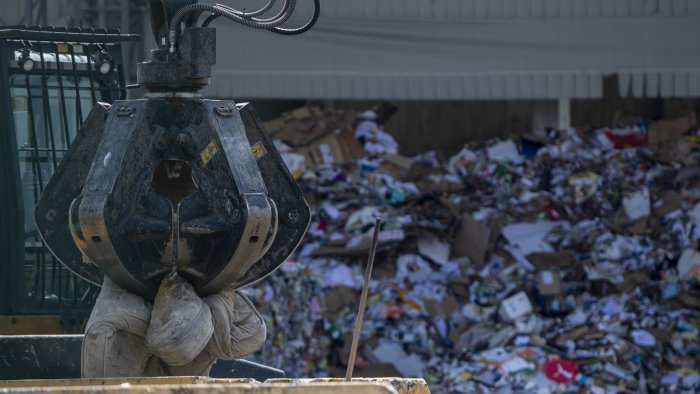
(551, 114)
(564, 113)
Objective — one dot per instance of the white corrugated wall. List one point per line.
(507, 8)
(11, 12)
(468, 49)
(457, 49)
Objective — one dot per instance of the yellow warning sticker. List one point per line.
(209, 152)
(62, 48)
(19, 104)
(258, 150)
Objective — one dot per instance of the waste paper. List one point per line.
(565, 263)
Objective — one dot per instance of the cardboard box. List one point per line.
(515, 307)
(397, 166)
(303, 113)
(441, 308)
(340, 299)
(549, 282)
(668, 201)
(304, 125)
(332, 148)
(551, 260)
(667, 130)
(439, 187)
(274, 126)
(677, 150)
(472, 240)
(299, 133)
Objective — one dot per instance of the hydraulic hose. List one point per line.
(259, 12)
(302, 29)
(252, 16)
(244, 14)
(249, 19)
(286, 12)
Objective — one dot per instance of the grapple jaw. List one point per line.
(187, 185)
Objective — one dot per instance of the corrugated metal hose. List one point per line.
(248, 19)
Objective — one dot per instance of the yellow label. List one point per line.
(209, 152)
(19, 104)
(62, 48)
(258, 150)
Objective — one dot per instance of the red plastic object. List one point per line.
(560, 370)
(631, 139)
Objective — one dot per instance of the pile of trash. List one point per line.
(556, 263)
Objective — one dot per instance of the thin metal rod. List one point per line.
(86, 48)
(47, 35)
(33, 138)
(78, 103)
(36, 166)
(48, 119)
(64, 112)
(363, 300)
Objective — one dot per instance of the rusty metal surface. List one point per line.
(401, 385)
(207, 387)
(137, 381)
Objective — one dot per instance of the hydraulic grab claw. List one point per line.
(172, 181)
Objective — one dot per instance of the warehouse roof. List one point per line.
(469, 49)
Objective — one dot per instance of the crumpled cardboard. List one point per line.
(668, 200)
(677, 150)
(407, 365)
(472, 240)
(668, 130)
(574, 252)
(551, 260)
(337, 147)
(585, 185)
(397, 165)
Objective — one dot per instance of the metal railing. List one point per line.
(49, 80)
